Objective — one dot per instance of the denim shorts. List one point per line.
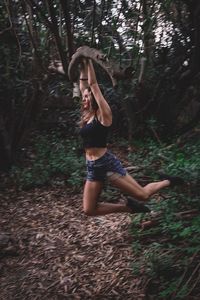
(101, 168)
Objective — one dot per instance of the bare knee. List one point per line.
(91, 194)
(144, 195)
(89, 211)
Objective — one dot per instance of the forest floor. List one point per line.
(51, 250)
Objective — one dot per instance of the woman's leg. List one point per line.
(92, 191)
(128, 185)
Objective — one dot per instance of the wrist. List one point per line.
(84, 78)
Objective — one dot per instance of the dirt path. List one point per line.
(55, 252)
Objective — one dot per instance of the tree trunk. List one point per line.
(55, 31)
(70, 40)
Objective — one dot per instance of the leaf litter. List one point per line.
(50, 250)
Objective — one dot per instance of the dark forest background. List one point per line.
(157, 41)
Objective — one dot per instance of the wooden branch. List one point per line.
(149, 224)
(188, 214)
(115, 72)
(5, 30)
(184, 215)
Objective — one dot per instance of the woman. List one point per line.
(95, 122)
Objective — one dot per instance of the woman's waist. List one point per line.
(94, 153)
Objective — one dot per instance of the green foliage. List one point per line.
(164, 251)
(170, 289)
(55, 161)
(174, 160)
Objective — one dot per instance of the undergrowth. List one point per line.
(167, 242)
(54, 160)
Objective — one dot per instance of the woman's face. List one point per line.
(87, 99)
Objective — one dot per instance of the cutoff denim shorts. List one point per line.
(104, 167)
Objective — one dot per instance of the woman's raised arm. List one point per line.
(83, 84)
(104, 109)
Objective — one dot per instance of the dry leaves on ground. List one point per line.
(50, 250)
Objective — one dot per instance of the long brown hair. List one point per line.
(86, 114)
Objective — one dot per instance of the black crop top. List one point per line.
(94, 134)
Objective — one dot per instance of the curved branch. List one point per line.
(114, 71)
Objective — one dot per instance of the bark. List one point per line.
(115, 72)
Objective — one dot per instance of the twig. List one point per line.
(52, 285)
(156, 135)
(188, 214)
(184, 273)
(191, 211)
(194, 271)
(6, 29)
(194, 285)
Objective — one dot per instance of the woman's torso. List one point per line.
(94, 135)
(94, 153)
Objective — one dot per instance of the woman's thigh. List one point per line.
(92, 191)
(129, 185)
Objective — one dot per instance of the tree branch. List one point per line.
(114, 71)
